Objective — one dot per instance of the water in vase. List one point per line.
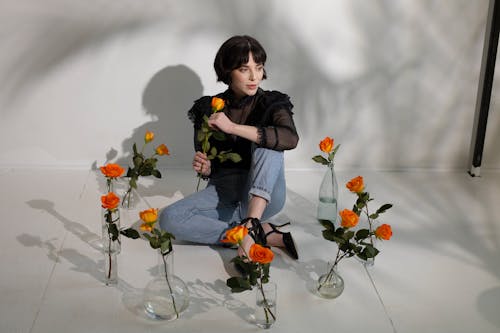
(327, 209)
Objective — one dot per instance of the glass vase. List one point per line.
(110, 243)
(111, 230)
(265, 304)
(367, 259)
(166, 296)
(110, 268)
(330, 284)
(328, 195)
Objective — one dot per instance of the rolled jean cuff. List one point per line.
(260, 192)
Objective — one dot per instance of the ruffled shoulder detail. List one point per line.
(273, 99)
(200, 107)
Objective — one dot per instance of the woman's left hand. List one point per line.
(221, 122)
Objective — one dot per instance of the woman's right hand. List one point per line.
(201, 164)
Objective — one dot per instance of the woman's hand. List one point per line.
(201, 164)
(219, 121)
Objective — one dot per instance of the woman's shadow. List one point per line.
(167, 97)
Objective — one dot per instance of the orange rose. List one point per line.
(162, 150)
(349, 218)
(326, 145)
(110, 201)
(149, 215)
(356, 184)
(260, 254)
(147, 226)
(149, 136)
(235, 235)
(384, 232)
(217, 104)
(112, 170)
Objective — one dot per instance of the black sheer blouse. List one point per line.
(269, 111)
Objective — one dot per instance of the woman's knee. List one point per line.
(169, 219)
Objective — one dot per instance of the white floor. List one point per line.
(439, 273)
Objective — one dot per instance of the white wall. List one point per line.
(394, 82)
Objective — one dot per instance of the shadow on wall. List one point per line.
(167, 97)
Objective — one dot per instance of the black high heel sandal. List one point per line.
(255, 231)
(290, 247)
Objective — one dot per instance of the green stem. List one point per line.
(333, 182)
(168, 283)
(198, 184)
(332, 269)
(267, 310)
(109, 256)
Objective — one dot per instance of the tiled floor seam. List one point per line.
(42, 299)
(381, 301)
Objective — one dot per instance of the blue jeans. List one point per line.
(204, 216)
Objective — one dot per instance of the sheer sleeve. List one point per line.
(278, 130)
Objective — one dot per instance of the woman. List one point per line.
(258, 126)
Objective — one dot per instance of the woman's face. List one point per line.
(245, 80)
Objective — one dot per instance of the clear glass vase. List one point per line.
(110, 231)
(265, 304)
(328, 196)
(110, 268)
(110, 244)
(166, 296)
(330, 284)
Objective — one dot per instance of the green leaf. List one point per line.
(362, 234)
(370, 251)
(138, 159)
(320, 159)
(113, 231)
(166, 246)
(130, 233)
(219, 136)
(327, 224)
(156, 173)
(348, 235)
(238, 284)
(373, 216)
(133, 182)
(329, 235)
(205, 146)
(384, 208)
(200, 135)
(134, 148)
(234, 157)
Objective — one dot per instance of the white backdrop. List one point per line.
(394, 82)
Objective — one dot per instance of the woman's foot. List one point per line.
(275, 237)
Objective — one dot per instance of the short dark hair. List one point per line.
(234, 52)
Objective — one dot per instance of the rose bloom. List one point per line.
(384, 232)
(147, 226)
(149, 215)
(162, 150)
(326, 145)
(217, 104)
(260, 254)
(356, 184)
(110, 201)
(235, 235)
(112, 170)
(149, 136)
(349, 218)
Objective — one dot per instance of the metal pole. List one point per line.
(484, 88)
